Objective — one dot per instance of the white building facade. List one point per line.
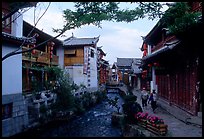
(14, 107)
(84, 73)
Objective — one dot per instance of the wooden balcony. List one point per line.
(40, 57)
(161, 44)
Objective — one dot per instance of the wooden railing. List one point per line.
(161, 44)
(39, 56)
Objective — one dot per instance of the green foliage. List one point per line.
(78, 105)
(131, 107)
(87, 100)
(179, 18)
(65, 99)
(36, 86)
(74, 86)
(130, 98)
(54, 72)
(100, 96)
(43, 109)
(87, 13)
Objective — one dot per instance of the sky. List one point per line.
(118, 39)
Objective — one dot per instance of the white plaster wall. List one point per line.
(149, 49)
(76, 74)
(60, 53)
(93, 70)
(11, 71)
(17, 25)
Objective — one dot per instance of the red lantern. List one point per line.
(145, 53)
(33, 51)
(145, 46)
(149, 65)
(156, 64)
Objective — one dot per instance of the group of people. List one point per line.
(146, 98)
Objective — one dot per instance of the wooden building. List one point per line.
(103, 67)
(135, 74)
(125, 67)
(78, 56)
(115, 76)
(171, 65)
(35, 62)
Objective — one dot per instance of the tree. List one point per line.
(95, 12)
(180, 19)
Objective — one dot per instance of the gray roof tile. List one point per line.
(20, 39)
(121, 62)
(80, 41)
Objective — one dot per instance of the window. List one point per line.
(92, 53)
(6, 25)
(70, 53)
(7, 111)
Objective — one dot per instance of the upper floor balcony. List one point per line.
(39, 57)
(162, 43)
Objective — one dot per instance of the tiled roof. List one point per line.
(102, 52)
(27, 27)
(19, 39)
(80, 41)
(124, 62)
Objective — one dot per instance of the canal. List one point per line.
(93, 123)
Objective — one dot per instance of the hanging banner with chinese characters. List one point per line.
(86, 56)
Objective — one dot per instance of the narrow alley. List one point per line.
(80, 71)
(176, 128)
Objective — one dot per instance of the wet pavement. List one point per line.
(96, 122)
(176, 128)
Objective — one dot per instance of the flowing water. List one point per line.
(93, 123)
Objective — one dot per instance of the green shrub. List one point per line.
(131, 107)
(65, 99)
(78, 106)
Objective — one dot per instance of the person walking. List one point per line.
(144, 98)
(153, 100)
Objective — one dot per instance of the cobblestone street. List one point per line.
(176, 128)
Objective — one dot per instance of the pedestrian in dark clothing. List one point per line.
(153, 100)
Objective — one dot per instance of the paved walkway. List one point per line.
(176, 128)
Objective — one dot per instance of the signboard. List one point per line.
(86, 56)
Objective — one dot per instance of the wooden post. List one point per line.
(169, 89)
(27, 79)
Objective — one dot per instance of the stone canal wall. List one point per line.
(19, 117)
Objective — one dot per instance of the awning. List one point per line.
(167, 47)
